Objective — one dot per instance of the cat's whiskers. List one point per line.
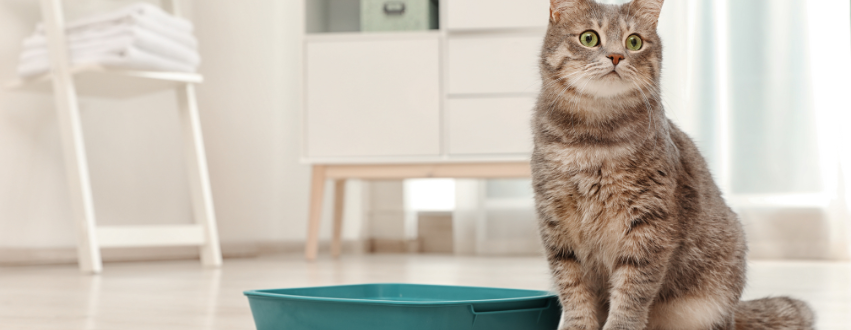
(557, 81)
(580, 79)
(582, 90)
(575, 97)
(567, 86)
(651, 88)
(650, 124)
(582, 75)
(641, 83)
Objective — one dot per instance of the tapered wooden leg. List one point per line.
(339, 202)
(199, 183)
(71, 130)
(317, 192)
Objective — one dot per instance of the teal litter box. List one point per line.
(403, 307)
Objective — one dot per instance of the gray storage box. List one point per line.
(398, 15)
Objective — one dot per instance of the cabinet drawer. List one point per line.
(494, 64)
(372, 97)
(496, 14)
(498, 125)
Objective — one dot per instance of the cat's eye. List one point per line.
(634, 42)
(589, 39)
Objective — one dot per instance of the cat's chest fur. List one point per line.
(597, 193)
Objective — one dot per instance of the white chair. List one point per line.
(67, 83)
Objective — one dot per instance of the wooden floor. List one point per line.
(183, 295)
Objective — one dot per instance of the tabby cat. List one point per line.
(636, 232)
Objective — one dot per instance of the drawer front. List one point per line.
(496, 14)
(398, 15)
(497, 125)
(368, 98)
(494, 64)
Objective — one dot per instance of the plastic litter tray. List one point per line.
(403, 307)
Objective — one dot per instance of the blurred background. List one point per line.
(302, 99)
(762, 86)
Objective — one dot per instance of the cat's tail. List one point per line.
(780, 313)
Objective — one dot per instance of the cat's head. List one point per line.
(602, 51)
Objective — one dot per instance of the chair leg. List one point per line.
(339, 204)
(199, 183)
(71, 130)
(317, 192)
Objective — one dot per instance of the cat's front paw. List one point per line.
(579, 325)
(622, 326)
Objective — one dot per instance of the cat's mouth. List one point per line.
(612, 74)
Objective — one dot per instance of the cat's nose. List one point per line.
(615, 58)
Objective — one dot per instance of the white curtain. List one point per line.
(763, 87)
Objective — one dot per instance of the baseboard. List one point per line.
(760, 250)
(378, 245)
(68, 255)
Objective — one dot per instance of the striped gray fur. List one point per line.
(636, 231)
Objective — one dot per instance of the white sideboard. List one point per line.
(461, 93)
(455, 102)
(373, 96)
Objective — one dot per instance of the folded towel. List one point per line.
(139, 10)
(100, 31)
(130, 58)
(137, 37)
(116, 39)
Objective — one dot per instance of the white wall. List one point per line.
(249, 115)
(29, 149)
(249, 105)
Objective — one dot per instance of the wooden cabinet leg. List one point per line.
(339, 204)
(317, 192)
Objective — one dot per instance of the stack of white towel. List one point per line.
(138, 37)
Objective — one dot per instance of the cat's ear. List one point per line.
(647, 10)
(559, 7)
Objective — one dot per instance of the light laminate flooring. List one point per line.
(183, 295)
